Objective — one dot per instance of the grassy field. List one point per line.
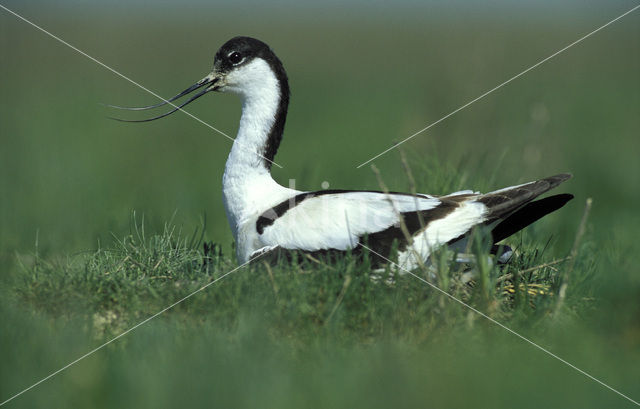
(102, 224)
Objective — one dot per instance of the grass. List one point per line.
(137, 276)
(273, 326)
(315, 334)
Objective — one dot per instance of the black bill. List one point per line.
(207, 81)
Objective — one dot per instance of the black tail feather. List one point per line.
(528, 214)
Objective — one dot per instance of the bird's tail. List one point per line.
(528, 214)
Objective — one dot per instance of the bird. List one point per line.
(265, 216)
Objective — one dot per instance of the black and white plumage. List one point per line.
(264, 215)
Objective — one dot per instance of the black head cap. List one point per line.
(242, 50)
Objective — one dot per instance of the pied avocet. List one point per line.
(264, 215)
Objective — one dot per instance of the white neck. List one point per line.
(247, 185)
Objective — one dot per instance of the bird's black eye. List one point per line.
(235, 57)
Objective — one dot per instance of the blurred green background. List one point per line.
(363, 76)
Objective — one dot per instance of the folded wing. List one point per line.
(340, 220)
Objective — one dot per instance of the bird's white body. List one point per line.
(332, 221)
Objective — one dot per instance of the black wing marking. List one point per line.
(415, 222)
(268, 217)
